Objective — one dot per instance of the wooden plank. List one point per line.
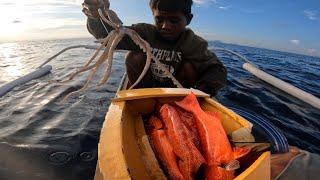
(126, 95)
(147, 154)
(111, 160)
(260, 169)
(130, 146)
(98, 175)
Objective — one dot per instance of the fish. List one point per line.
(163, 148)
(217, 150)
(191, 128)
(190, 158)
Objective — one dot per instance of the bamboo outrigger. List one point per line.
(124, 151)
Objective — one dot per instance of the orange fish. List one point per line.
(190, 158)
(221, 160)
(191, 128)
(163, 148)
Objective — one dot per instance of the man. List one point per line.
(185, 54)
(187, 57)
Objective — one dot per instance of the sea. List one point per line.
(44, 137)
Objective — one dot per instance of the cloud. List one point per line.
(39, 19)
(200, 2)
(295, 41)
(311, 14)
(312, 51)
(225, 7)
(43, 24)
(38, 2)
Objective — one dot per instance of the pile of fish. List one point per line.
(189, 141)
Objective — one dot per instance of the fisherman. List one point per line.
(187, 57)
(184, 54)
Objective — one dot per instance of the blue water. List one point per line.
(40, 138)
(298, 121)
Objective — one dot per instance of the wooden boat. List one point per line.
(124, 151)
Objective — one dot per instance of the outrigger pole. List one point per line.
(278, 83)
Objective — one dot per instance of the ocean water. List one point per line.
(42, 138)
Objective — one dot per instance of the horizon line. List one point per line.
(209, 40)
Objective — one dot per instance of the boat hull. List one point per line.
(124, 151)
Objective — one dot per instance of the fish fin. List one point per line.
(153, 124)
(233, 165)
(239, 152)
(218, 173)
(189, 103)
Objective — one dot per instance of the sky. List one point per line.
(285, 25)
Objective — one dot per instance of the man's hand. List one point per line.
(90, 7)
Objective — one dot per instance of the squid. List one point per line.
(110, 43)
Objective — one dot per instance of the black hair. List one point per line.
(173, 5)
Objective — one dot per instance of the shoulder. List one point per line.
(146, 31)
(192, 42)
(143, 26)
(194, 37)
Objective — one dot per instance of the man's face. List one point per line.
(169, 24)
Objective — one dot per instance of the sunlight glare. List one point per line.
(12, 65)
(11, 17)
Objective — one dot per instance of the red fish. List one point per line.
(190, 158)
(214, 141)
(163, 148)
(191, 128)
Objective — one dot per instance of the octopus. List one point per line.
(110, 43)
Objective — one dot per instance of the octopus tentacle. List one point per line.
(95, 67)
(100, 61)
(110, 43)
(113, 17)
(105, 19)
(112, 35)
(174, 80)
(146, 48)
(86, 67)
(105, 41)
(101, 58)
(110, 58)
(144, 71)
(76, 73)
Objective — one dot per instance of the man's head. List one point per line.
(171, 16)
